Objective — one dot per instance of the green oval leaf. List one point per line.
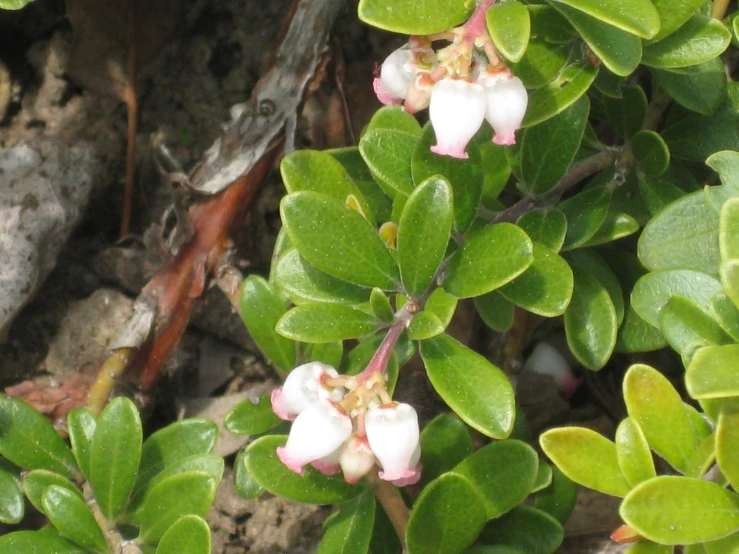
(338, 240)
(312, 487)
(465, 176)
(590, 321)
(321, 323)
(585, 213)
(12, 506)
(37, 481)
(729, 229)
(35, 542)
(188, 493)
(475, 389)
(423, 233)
(673, 14)
(509, 26)
(352, 161)
(700, 88)
(636, 335)
(542, 62)
(414, 18)
(188, 535)
(516, 465)
(650, 153)
(387, 153)
(81, 426)
(496, 311)
(699, 40)
(546, 227)
(687, 326)
(658, 409)
(634, 16)
(68, 512)
(525, 529)
(591, 262)
(632, 451)
(445, 441)
(425, 325)
(657, 510)
(546, 286)
(349, 529)
(615, 226)
(446, 518)
(261, 309)
(712, 372)
(727, 446)
(29, 440)
(251, 418)
(244, 483)
(573, 81)
(115, 453)
(558, 499)
(394, 117)
(586, 457)
(548, 149)
(488, 259)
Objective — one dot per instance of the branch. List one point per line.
(397, 512)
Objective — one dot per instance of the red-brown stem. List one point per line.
(378, 363)
(476, 25)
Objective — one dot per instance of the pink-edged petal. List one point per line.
(415, 478)
(452, 151)
(507, 138)
(383, 94)
(278, 406)
(327, 468)
(294, 464)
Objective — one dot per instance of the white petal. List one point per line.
(547, 360)
(507, 100)
(398, 71)
(393, 434)
(456, 111)
(302, 387)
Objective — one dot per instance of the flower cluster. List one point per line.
(460, 85)
(344, 423)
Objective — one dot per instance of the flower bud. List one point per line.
(356, 459)
(319, 430)
(396, 75)
(393, 435)
(507, 100)
(329, 465)
(547, 360)
(302, 387)
(456, 110)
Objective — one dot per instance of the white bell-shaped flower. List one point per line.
(396, 75)
(456, 111)
(547, 360)
(416, 477)
(356, 459)
(318, 431)
(303, 386)
(393, 435)
(507, 100)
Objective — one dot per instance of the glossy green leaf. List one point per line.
(682, 236)
(543, 476)
(244, 483)
(188, 535)
(37, 481)
(729, 229)
(496, 311)
(387, 153)
(37, 542)
(305, 283)
(442, 305)
(548, 23)
(628, 112)
(546, 227)
(465, 176)
(175, 443)
(445, 442)
(321, 323)
(697, 41)
(527, 529)
(632, 452)
(685, 325)
(381, 307)
(693, 136)
(571, 83)
(542, 62)
(658, 192)
(312, 487)
(338, 240)
(700, 88)
(329, 353)
(414, 18)
(619, 50)
(559, 498)
(726, 545)
(727, 445)
(261, 309)
(590, 321)
(352, 161)
(115, 453)
(446, 517)
(591, 262)
(726, 164)
(648, 547)
(729, 272)
(516, 465)
(477, 391)
(634, 16)
(650, 153)
(322, 173)
(12, 506)
(586, 457)
(425, 325)
(545, 288)
(673, 14)
(349, 530)
(636, 335)
(251, 418)
(188, 493)
(657, 510)
(548, 149)
(14, 4)
(726, 314)
(712, 372)
(615, 226)
(423, 233)
(652, 291)
(81, 427)
(656, 406)
(394, 117)
(488, 259)
(585, 213)
(69, 513)
(28, 439)
(510, 27)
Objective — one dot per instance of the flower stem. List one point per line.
(378, 363)
(476, 25)
(719, 8)
(397, 512)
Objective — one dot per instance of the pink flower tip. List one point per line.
(444, 150)
(326, 468)
(505, 139)
(278, 406)
(383, 94)
(402, 476)
(296, 466)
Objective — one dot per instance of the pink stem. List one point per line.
(378, 363)
(477, 25)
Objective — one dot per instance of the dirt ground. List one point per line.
(214, 55)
